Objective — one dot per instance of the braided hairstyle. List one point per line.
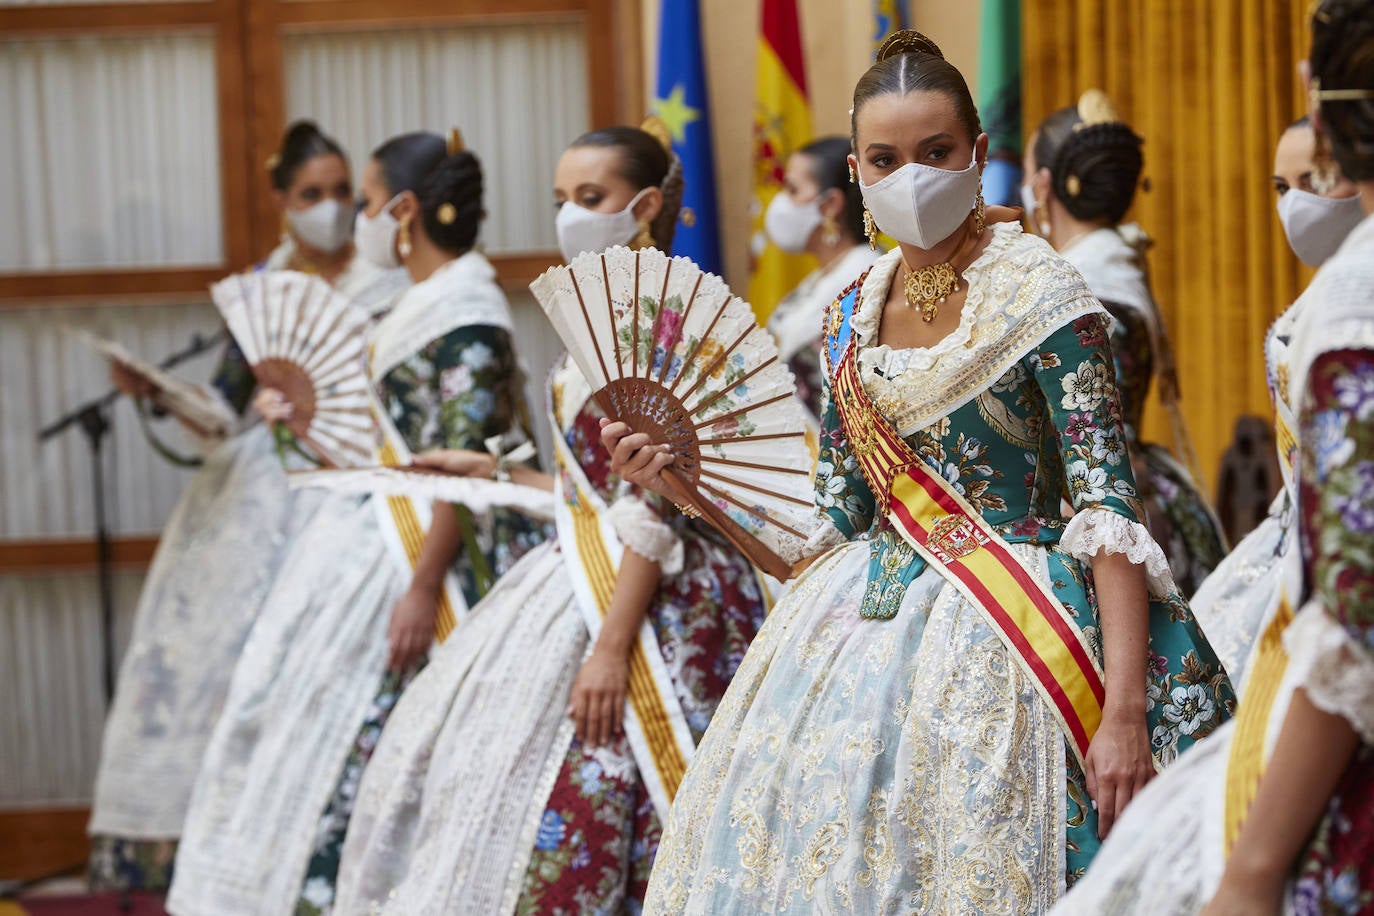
(910, 62)
(448, 186)
(830, 158)
(1094, 168)
(1342, 57)
(302, 142)
(644, 163)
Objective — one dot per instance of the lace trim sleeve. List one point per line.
(824, 536)
(1096, 530)
(1336, 672)
(639, 528)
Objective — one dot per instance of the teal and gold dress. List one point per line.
(880, 749)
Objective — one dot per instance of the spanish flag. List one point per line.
(782, 125)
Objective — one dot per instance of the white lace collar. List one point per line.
(1112, 262)
(1019, 292)
(460, 293)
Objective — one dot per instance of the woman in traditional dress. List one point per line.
(364, 589)
(924, 724)
(1272, 814)
(819, 211)
(1243, 591)
(218, 555)
(1084, 164)
(529, 766)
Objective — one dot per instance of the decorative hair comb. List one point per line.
(1095, 107)
(455, 142)
(653, 126)
(908, 41)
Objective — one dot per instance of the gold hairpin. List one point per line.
(1095, 107)
(1338, 95)
(272, 162)
(455, 142)
(907, 41)
(655, 127)
(446, 214)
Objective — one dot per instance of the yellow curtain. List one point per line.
(1210, 86)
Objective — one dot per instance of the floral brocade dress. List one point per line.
(311, 692)
(479, 799)
(880, 750)
(1168, 853)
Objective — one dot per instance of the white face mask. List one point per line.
(375, 236)
(1028, 204)
(580, 229)
(920, 204)
(1317, 225)
(790, 224)
(325, 227)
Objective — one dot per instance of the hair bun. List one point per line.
(908, 41)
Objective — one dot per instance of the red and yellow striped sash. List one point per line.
(955, 539)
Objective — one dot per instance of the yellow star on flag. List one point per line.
(676, 113)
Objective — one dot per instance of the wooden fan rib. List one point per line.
(658, 320)
(349, 332)
(701, 341)
(256, 329)
(718, 362)
(587, 319)
(346, 446)
(727, 440)
(753, 465)
(702, 405)
(677, 332)
(634, 343)
(767, 519)
(743, 410)
(346, 340)
(299, 319)
(772, 494)
(312, 333)
(610, 315)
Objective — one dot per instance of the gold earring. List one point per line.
(645, 237)
(830, 231)
(980, 221)
(285, 226)
(403, 239)
(853, 175)
(870, 230)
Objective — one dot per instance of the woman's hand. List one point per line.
(635, 459)
(135, 386)
(460, 461)
(412, 627)
(1118, 766)
(598, 697)
(272, 405)
(1259, 896)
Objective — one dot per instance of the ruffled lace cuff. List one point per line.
(1096, 530)
(1336, 672)
(639, 528)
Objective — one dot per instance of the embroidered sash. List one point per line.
(954, 539)
(654, 722)
(404, 522)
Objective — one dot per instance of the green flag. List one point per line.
(999, 98)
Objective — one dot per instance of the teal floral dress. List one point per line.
(879, 749)
(456, 392)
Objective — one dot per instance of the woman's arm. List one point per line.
(1075, 371)
(467, 463)
(412, 620)
(1319, 734)
(598, 694)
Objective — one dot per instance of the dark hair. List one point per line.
(449, 188)
(302, 142)
(1094, 168)
(921, 69)
(1342, 57)
(644, 163)
(830, 158)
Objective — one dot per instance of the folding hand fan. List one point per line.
(203, 413)
(670, 351)
(306, 340)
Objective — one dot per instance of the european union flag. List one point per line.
(681, 102)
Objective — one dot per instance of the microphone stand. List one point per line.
(93, 419)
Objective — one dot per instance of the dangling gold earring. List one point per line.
(980, 212)
(403, 240)
(870, 230)
(853, 175)
(644, 238)
(1042, 219)
(285, 227)
(830, 231)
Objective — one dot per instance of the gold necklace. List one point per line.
(927, 288)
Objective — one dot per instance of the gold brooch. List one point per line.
(927, 288)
